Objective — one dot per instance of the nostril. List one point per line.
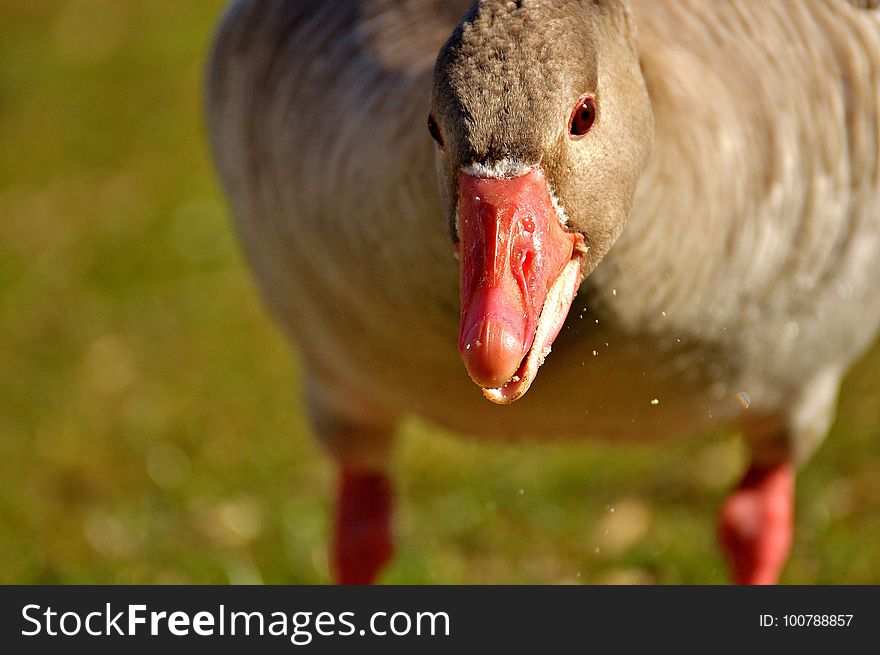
(528, 261)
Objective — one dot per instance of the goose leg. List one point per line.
(359, 439)
(362, 540)
(756, 528)
(757, 523)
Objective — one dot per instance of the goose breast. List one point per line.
(746, 265)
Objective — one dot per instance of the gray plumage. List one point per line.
(741, 287)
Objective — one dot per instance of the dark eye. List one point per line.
(434, 130)
(583, 117)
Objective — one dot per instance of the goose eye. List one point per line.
(434, 130)
(583, 117)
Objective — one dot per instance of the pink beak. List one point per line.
(512, 249)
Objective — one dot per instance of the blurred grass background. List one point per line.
(150, 423)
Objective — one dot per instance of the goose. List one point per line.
(680, 197)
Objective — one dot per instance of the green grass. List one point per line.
(150, 422)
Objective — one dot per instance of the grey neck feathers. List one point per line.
(760, 188)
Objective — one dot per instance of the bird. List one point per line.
(679, 198)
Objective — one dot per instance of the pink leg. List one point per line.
(362, 542)
(757, 523)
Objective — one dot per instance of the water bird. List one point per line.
(680, 197)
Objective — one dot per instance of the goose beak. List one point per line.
(520, 271)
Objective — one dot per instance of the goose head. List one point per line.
(543, 126)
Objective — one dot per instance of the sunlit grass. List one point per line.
(150, 422)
